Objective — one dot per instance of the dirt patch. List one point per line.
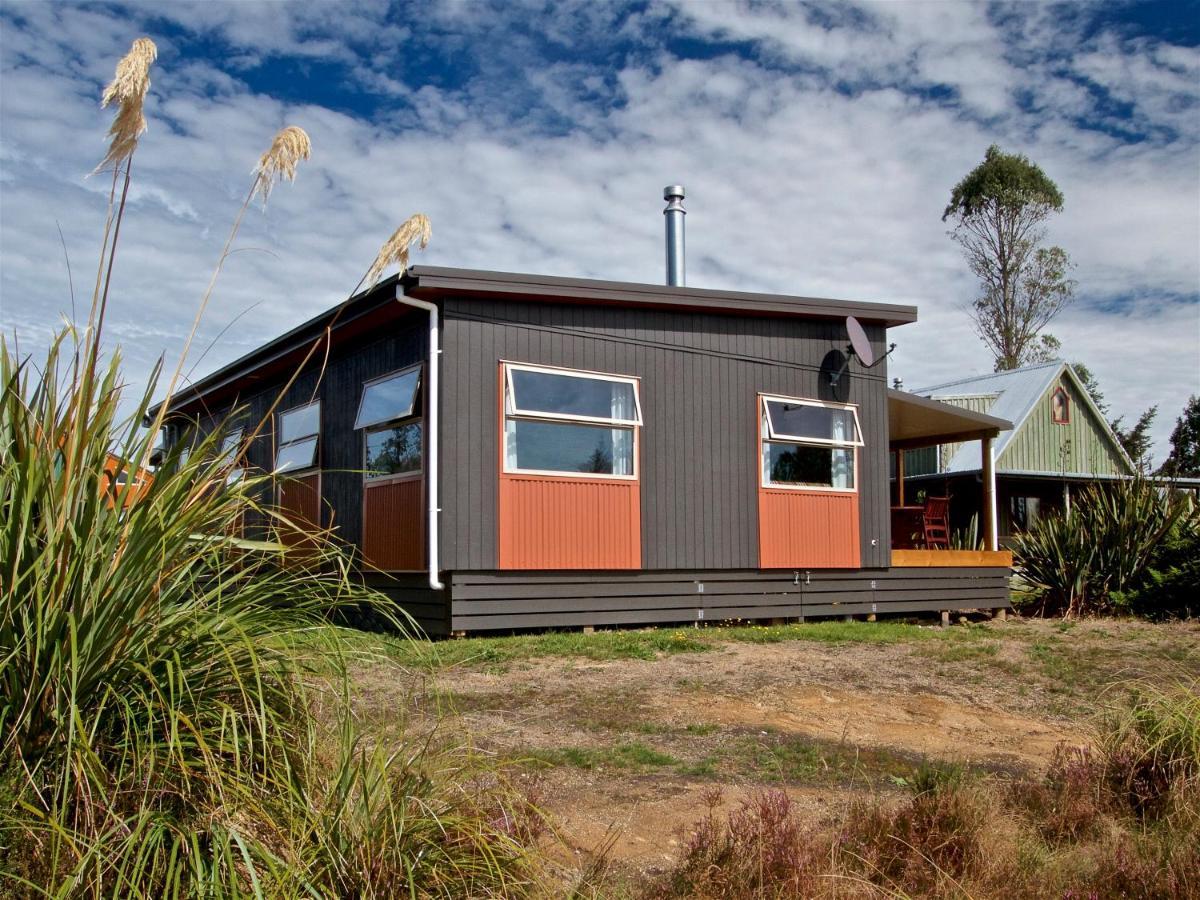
(631, 748)
(912, 723)
(641, 822)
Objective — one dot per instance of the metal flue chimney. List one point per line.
(674, 213)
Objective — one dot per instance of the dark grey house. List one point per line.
(509, 451)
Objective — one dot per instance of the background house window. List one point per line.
(298, 430)
(393, 435)
(1060, 407)
(808, 444)
(570, 422)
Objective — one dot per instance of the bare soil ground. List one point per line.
(628, 752)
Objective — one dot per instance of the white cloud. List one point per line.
(796, 183)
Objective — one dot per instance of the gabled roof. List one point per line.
(1015, 394)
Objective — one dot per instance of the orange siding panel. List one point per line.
(393, 536)
(300, 501)
(561, 523)
(808, 528)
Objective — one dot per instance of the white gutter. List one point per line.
(431, 431)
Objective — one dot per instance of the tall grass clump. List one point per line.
(1084, 561)
(160, 669)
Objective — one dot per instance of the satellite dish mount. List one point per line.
(859, 346)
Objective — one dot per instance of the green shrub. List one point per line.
(1170, 585)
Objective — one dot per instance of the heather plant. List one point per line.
(1119, 818)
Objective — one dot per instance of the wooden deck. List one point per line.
(974, 559)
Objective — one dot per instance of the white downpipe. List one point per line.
(994, 541)
(431, 430)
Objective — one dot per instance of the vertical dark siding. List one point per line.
(700, 374)
(339, 390)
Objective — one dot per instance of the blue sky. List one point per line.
(818, 144)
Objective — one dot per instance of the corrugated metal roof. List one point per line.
(1016, 393)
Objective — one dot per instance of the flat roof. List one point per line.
(433, 282)
(915, 421)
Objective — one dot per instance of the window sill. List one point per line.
(805, 489)
(392, 479)
(577, 477)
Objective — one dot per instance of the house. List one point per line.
(123, 480)
(511, 451)
(1059, 443)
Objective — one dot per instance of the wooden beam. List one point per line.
(989, 496)
(899, 477)
(950, 437)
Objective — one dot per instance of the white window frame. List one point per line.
(510, 395)
(774, 437)
(316, 463)
(416, 414)
(414, 408)
(511, 411)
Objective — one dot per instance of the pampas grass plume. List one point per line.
(395, 249)
(290, 146)
(128, 90)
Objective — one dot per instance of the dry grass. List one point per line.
(1120, 820)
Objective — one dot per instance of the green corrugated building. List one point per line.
(1059, 442)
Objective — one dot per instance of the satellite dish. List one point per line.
(858, 341)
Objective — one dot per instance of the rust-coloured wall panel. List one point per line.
(393, 534)
(564, 523)
(813, 529)
(300, 501)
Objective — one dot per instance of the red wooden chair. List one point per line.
(936, 523)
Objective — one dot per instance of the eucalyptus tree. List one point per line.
(998, 211)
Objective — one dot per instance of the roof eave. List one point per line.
(433, 281)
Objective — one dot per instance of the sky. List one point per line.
(818, 144)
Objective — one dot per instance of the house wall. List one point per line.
(701, 374)
(1079, 447)
(340, 449)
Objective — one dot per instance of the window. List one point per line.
(560, 421)
(1024, 511)
(388, 398)
(808, 444)
(231, 446)
(1060, 407)
(298, 430)
(231, 450)
(393, 435)
(393, 450)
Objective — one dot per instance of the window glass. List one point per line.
(808, 466)
(802, 421)
(231, 445)
(1061, 407)
(392, 451)
(568, 447)
(388, 399)
(297, 455)
(300, 423)
(563, 394)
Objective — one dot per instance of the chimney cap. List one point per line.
(673, 190)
